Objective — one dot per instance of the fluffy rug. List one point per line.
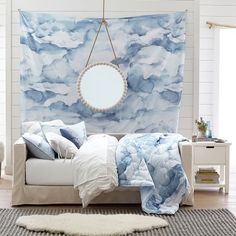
(91, 224)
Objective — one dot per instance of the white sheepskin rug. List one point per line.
(90, 224)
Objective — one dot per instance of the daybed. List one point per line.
(37, 181)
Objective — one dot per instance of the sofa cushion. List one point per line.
(38, 146)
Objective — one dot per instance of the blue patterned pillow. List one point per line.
(38, 146)
(75, 133)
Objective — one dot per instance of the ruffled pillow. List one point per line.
(64, 147)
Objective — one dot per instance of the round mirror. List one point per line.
(102, 86)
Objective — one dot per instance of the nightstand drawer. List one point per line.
(209, 155)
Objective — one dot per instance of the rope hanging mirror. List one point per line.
(102, 86)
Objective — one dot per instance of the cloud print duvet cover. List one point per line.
(153, 163)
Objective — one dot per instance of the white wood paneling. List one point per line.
(206, 43)
(218, 2)
(2, 71)
(207, 54)
(2, 51)
(219, 11)
(2, 99)
(146, 6)
(114, 8)
(206, 99)
(223, 12)
(206, 76)
(8, 31)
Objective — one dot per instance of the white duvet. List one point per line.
(94, 167)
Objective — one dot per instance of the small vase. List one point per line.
(208, 131)
(201, 134)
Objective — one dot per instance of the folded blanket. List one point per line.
(152, 162)
(94, 167)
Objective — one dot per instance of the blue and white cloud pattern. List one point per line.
(150, 51)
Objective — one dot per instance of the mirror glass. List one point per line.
(102, 86)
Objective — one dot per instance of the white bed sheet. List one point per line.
(49, 172)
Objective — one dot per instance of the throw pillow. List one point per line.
(38, 146)
(75, 133)
(61, 145)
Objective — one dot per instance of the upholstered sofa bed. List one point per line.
(40, 182)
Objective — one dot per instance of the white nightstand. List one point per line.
(212, 154)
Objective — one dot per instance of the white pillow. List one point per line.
(61, 145)
(34, 127)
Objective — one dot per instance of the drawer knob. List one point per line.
(210, 147)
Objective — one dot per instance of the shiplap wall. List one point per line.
(2, 70)
(218, 11)
(114, 8)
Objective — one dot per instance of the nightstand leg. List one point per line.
(227, 171)
(222, 173)
(227, 183)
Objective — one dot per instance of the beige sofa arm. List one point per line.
(19, 159)
(187, 161)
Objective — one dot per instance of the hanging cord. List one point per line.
(103, 21)
(95, 40)
(103, 10)
(108, 34)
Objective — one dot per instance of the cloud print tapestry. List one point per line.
(150, 51)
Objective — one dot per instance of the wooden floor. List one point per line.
(210, 199)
